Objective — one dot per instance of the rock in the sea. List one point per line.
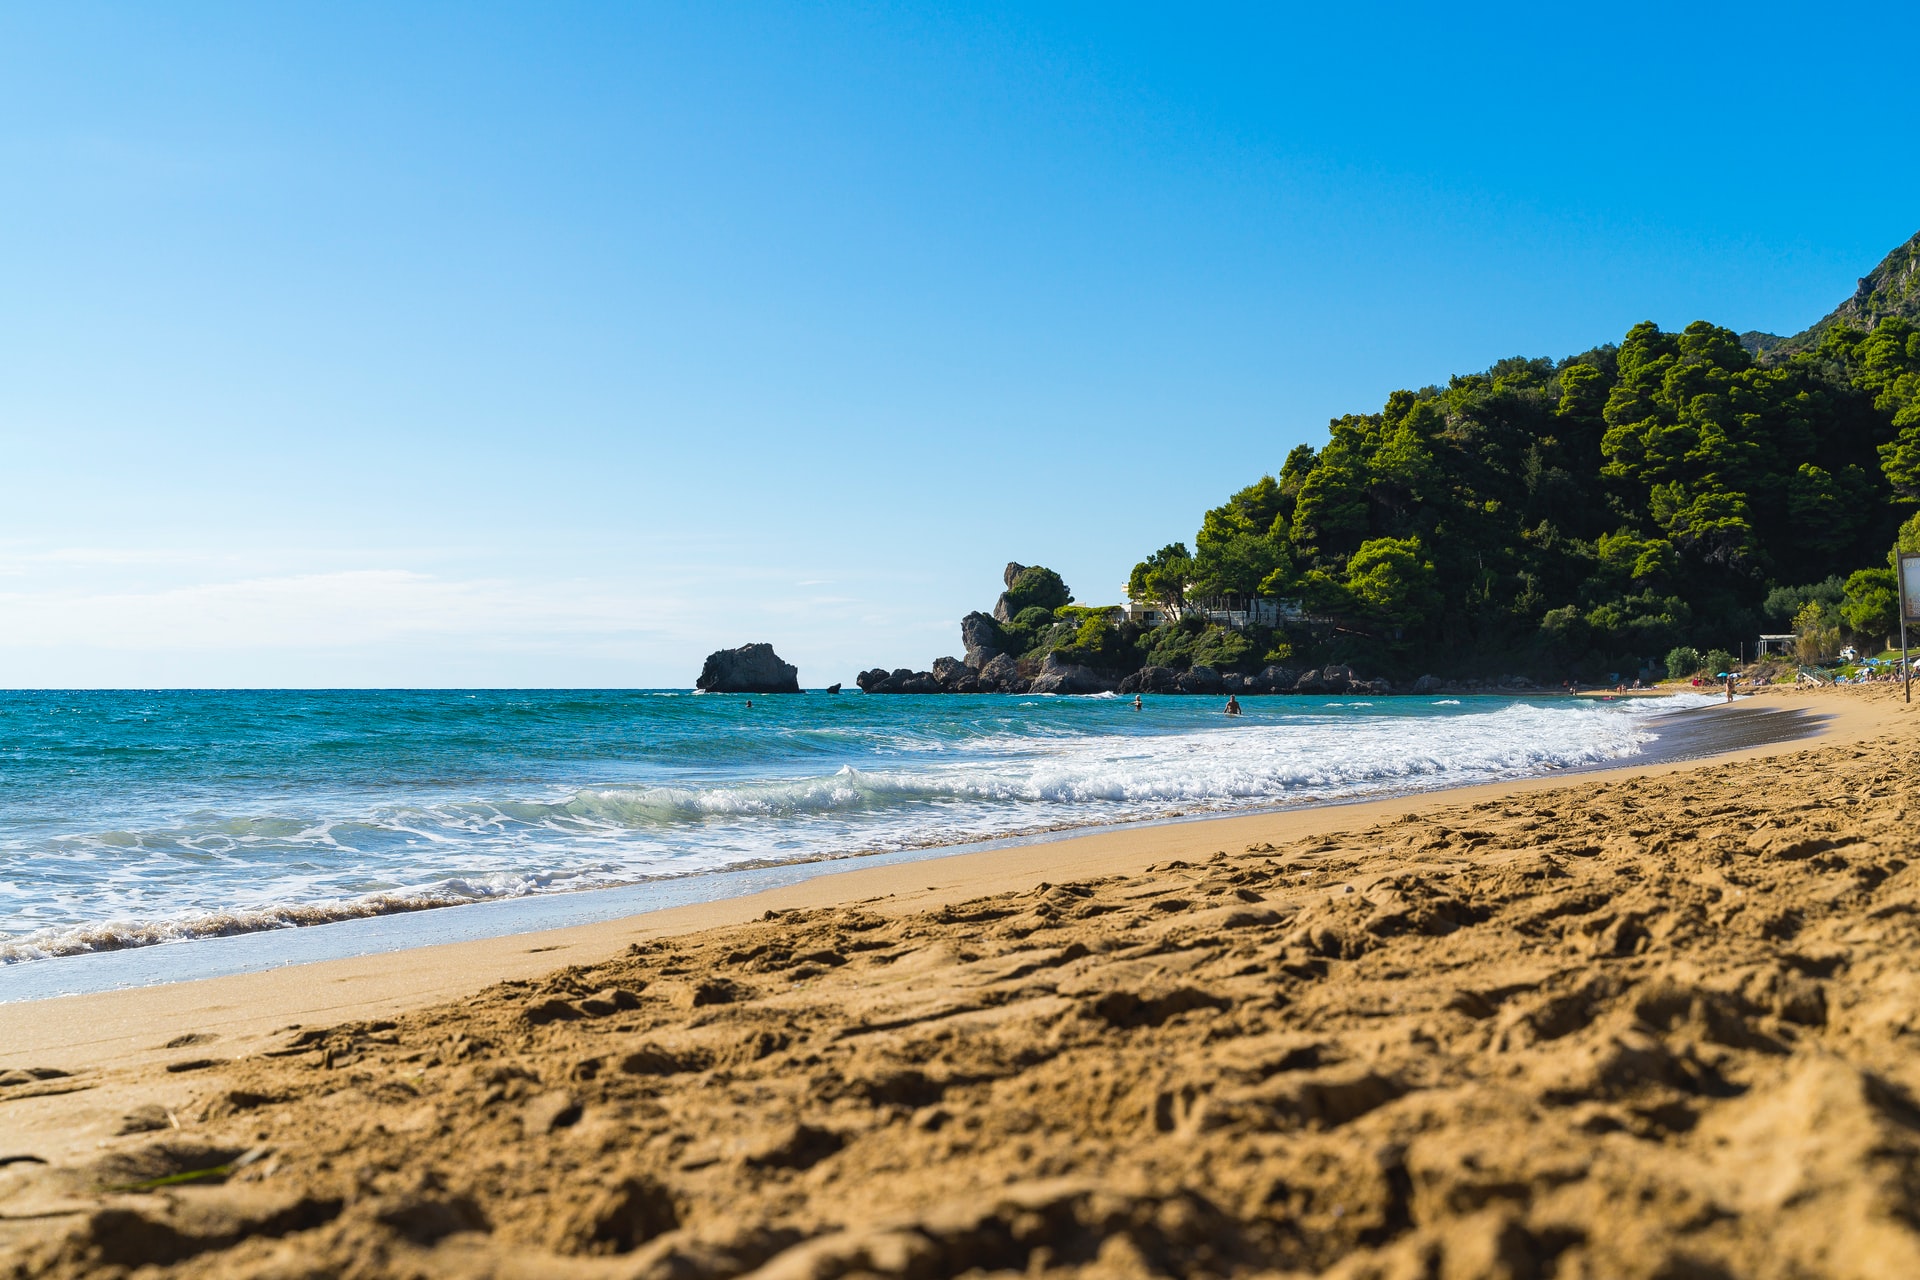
(1002, 675)
(1060, 676)
(1330, 679)
(1152, 680)
(833, 688)
(752, 668)
(1278, 679)
(955, 676)
(899, 680)
(981, 639)
(1202, 679)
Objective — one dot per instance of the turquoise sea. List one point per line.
(133, 818)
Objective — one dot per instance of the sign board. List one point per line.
(1910, 586)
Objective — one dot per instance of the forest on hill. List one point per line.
(1637, 508)
(1590, 515)
(1608, 513)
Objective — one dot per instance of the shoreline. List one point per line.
(1685, 734)
(1652, 1020)
(101, 1026)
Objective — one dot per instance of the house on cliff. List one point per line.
(1235, 611)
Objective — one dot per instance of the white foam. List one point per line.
(249, 874)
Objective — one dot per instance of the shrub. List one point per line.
(1872, 605)
(1682, 662)
(1097, 643)
(1817, 634)
(1037, 588)
(1222, 649)
(1716, 661)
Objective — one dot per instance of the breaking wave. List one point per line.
(333, 853)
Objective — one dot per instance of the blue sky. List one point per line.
(560, 344)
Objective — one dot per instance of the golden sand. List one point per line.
(1648, 1023)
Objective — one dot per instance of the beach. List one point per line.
(1641, 1021)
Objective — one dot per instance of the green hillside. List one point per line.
(1586, 515)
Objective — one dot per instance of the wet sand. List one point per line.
(1638, 1023)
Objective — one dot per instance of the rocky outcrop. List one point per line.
(1339, 679)
(1151, 680)
(955, 676)
(1333, 679)
(1059, 676)
(899, 680)
(1002, 675)
(985, 668)
(949, 675)
(752, 668)
(1273, 679)
(1202, 679)
(980, 637)
(1002, 612)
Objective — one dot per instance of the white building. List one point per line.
(1236, 611)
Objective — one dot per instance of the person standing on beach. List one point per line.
(1729, 686)
(1233, 705)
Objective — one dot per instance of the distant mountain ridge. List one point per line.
(1890, 289)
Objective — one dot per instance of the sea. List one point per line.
(149, 822)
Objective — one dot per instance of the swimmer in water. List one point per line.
(1136, 702)
(1233, 705)
(749, 704)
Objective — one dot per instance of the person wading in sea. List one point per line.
(1136, 702)
(1233, 705)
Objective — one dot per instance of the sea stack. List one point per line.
(752, 668)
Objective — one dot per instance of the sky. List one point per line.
(559, 345)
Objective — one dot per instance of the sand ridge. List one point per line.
(1650, 1026)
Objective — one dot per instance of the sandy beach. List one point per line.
(1643, 1022)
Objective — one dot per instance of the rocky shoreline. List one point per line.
(989, 668)
(1002, 674)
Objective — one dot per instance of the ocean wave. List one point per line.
(211, 874)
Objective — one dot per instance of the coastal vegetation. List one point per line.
(1645, 508)
(1668, 494)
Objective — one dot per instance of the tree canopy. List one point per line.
(1595, 512)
